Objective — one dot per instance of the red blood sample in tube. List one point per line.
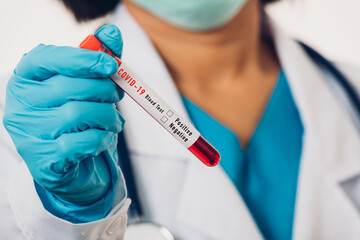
(203, 150)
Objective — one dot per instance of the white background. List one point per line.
(331, 26)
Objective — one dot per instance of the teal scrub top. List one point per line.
(265, 173)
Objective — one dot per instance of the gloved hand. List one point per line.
(61, 115)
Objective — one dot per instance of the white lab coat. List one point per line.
(192, 200)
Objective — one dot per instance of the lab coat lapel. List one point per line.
(209, 201)
(331, 150)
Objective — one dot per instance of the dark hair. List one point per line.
(84, 10)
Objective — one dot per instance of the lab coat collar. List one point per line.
(320, 199)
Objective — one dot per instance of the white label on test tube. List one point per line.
(138, 90)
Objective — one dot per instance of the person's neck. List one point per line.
(234, 52)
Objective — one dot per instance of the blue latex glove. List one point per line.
(61, 115)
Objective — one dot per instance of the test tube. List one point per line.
(152, 103)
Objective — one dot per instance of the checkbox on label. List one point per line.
(169, 113)
(164, 119)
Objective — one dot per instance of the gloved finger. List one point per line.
(90, 172)
(45, 61)
(55, 164)
(74, 147)
(77, 116)
(54, 158)
(61, 89)
(74, 116)
(110, 35)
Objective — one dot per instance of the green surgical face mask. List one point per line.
(197, 15)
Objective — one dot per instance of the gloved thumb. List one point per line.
(110, 35)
